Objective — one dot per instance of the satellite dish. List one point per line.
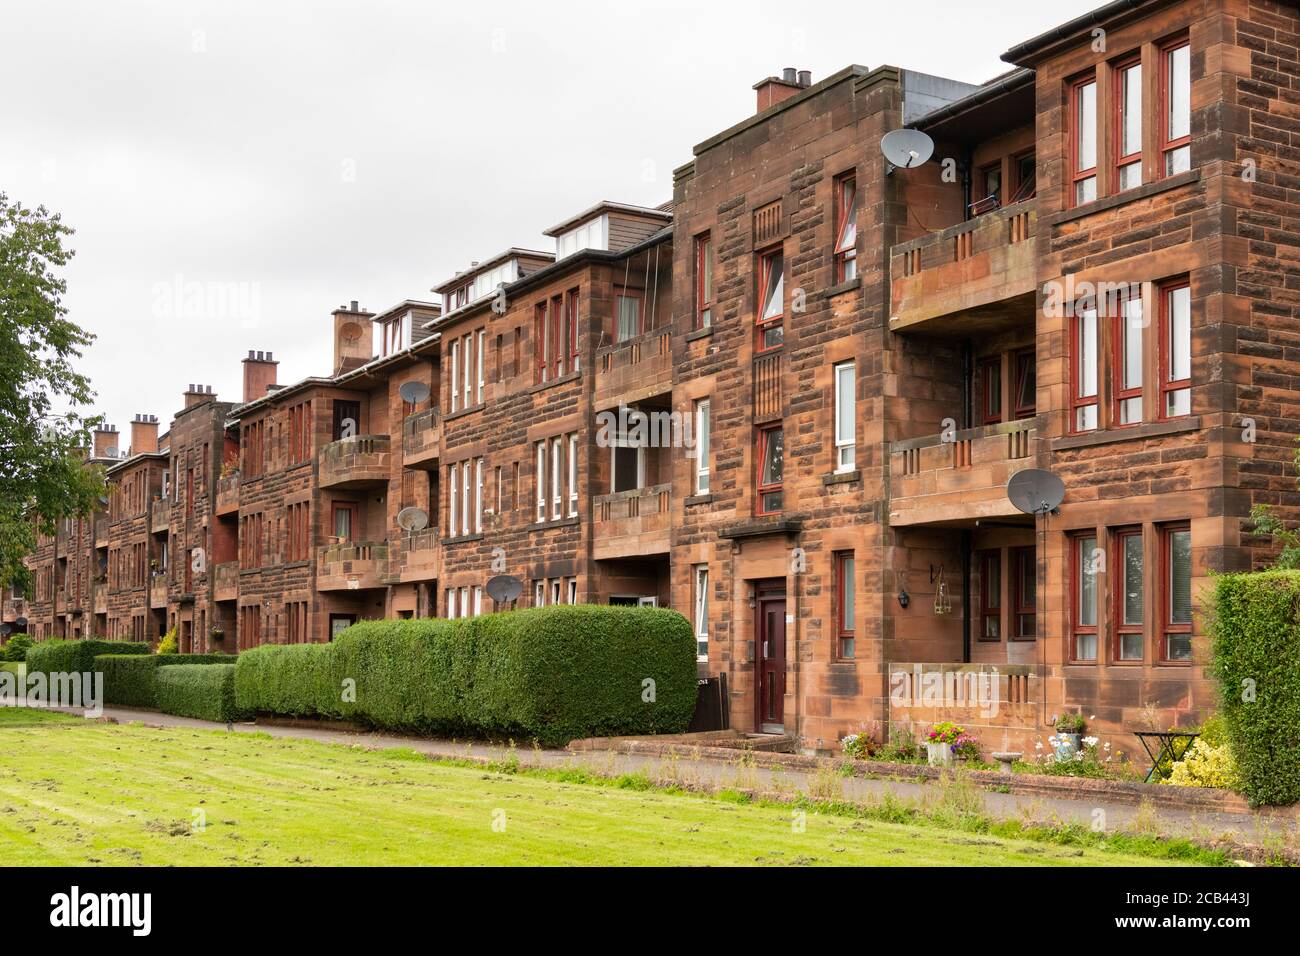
(6, 629)
(504, 588)
(412, 519)
(907, 147)
(1035, 491)
(413, 393)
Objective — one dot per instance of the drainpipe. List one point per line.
(968, 384)
(966, 185)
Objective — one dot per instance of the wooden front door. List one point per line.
(770, 640)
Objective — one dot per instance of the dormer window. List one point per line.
(593, 234)
(396, 335)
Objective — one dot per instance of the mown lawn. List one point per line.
(77, 793)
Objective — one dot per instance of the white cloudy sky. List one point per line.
(305, 154)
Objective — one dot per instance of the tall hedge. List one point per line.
(56, 655)
(1254, 624)
(550, 674)
(205, 691)
(130, 680)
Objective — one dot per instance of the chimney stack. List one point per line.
(353, 337)
(106, 441)
(198, 393)
(775, 89)
(144, 435)
(259, 374)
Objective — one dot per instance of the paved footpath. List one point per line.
(1270, 829)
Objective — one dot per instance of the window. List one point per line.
(988, 187)
(627, 313)
(1024, 587)
(467, 349)
(478, 600)
(702, 413)
(1176, 350)
(539, 593)
(540, 343)
(347, 418)
(1176, 108)
(573, 475)
(1130, 599)
(701, 578)
(846, 394)
(991, 390)
(846, 603)
(556, 335)
(1023, 167)
(1085, 559)
(704, 281)
(846, 228)
(465, 497)
(453, 501)
(771, 299)
(990, 568)
(555, 591)
(451, 604)
(571, 323)
(1176, 585)
(540, 476)
(771, 469)
(1083, 370)
(627, 464)
(478, 496)
(1128, 124)
(455, 375)
(345, 521)
(1026, 396)
(1128, 361)
(1083, 139)
(557, 472)
(478, 387)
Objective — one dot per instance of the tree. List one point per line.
(1266, 523)
(43, 435)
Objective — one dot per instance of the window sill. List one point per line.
(553, 523)
(462, 412)
(842, 477)
(703, 499)
(848, 285)
(551, 383)
(463, 538)
(1111, 436)
(1127, 196)
(697, 334)
(763, 525)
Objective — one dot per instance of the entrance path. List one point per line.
(1273, 829)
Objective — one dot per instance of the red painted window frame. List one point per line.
(990, 416)
(539, 343)
(1023, 360)
(703, 303)
(1166, 290)
(1076, 579)
(844, 629)
(990, 608)
(1075, 401)
(762, 490)
(843, 207)
(1167, 145)
(335, 508)
(1019, 608)
(1166, 595)
(1119, 330)
(571, 324)
(1118, 627)
(555, 316)
(1077, 176)
(761, 325)
(1117, 116)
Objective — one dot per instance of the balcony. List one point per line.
(422, 439)
(414, 557)
(101, 597)
(982, 269)
(355, 566)
(933, 481)
(634, 370)
(358, 462)
(225, 581)
(101, 532)
(160, 515)
(158, 591)
(228, 494)
(632, 523)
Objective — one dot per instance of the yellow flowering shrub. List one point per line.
(1205, 765)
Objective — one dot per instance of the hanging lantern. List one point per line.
(942, 601)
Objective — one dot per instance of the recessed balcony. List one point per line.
(632, 523)
(981, 272)
(158, 591)
(414, 557)
(228, 494)
(160, 515)
(422, 439)
(635, 369)
(225, 581)
(362, 461)
(354, 566)
(937, 482)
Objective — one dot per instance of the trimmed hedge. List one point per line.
(130, 680)
(17, 668)
(56, 655)
(1256, 641)
(205, 691)
(547, 674)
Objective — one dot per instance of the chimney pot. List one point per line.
(789, 75)
(354, 306)
(805, 78)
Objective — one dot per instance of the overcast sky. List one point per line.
(282, 158)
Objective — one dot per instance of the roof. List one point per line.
(405, 306)
(1032, 50)
(514, 252)
(608, 206)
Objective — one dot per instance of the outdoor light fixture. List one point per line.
(904, 598)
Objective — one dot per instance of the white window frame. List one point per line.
(464, 496)
(453, 516)
(701, 611)
(468, 340)
(846, 443)
(539, 593)
(573, 475)
(556, 586)
(478, 390)
(451, 604)
(647, 600)
(478, 496)
(541, 480)
(557, 475)
(703, 420)
(455, 375)
(573, 590)
(478, 600)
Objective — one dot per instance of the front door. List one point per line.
(770, 633)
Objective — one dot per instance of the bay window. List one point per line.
(846, 393)
(455, 375)
(573, 475)
(557, 466)
(453, 500)
(540, 477)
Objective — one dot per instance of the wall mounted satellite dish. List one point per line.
(6, 629)
(1035, 491)
(413, 393)
(504, 588)
(906, 148)
(412, 519)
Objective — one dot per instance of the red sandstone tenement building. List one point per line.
(861, 357)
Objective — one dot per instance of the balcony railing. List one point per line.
(635, 369)
(225, 581)
(228, 494)
(158, 591)
(101, 597)
(356, 462)
(160, 515)
(414, 557)
(972, 266)
(936, 481)
(356, 565)
(422, 438)
(629, 523)
(101, 532)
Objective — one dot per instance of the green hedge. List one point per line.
(547, 674)
(130, 680)
(1255, 634)
(17, 668)
(56, 655)
(205, 691)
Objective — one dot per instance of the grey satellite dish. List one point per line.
(504, 588)
(412, 519)
(906, 148)
(6, 629)
(1035, 492)
(413, 393)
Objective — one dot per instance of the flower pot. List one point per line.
(1067, 745)
(938, 755)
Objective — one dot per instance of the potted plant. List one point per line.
(1069, 733)
(940, 743)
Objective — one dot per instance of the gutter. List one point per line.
(1021, 52)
